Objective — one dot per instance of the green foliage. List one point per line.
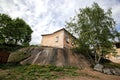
(18, 56)
(9, 47)
(14, 31)
(34, 45)
(112, 65)
(35, 72)
(95, 29)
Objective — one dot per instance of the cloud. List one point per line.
(47, 16)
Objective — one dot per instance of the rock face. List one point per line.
(109, 71)
(117, 71)
(55, 56)
(98, 67)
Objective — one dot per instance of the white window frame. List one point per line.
(67, 39)
(57, 39)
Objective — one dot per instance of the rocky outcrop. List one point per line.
(98, 67)
(109, 71)
(55, 56)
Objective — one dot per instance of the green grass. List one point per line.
(18, 56)
(35, 72)
(112, 65)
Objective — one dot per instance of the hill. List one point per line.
(53, 56)
(49, 55)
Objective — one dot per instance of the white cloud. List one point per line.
(46, 16)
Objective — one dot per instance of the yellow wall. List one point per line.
(114, 58)
(68, 44)
(50, 40)
(118, 51)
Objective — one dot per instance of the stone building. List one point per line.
(115, 58)
(117, 45)
(60, 39)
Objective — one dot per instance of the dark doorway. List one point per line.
(4, 56)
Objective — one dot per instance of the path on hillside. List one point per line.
(94, 76)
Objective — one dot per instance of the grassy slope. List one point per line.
(50, 72)
(35, 72)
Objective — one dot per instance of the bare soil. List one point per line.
(60, 57)
(85, 74)
(89, 74)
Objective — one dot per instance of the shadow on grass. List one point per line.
(9, 65)
(34, 72)
(10, 47)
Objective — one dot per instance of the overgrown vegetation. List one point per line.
(35, 72)
(95, 29)
(112, 65)
(18, 56)
(10, 47)
(13, 32)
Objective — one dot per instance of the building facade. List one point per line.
(115, 58)
(117, 46)
(60, 39)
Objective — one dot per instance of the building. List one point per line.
(115, 58)
(118, 50)
(60, 39)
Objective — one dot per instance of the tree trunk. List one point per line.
(97, 56)
(16, 41)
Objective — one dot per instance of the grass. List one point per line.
(18, 56)
(35, 72)
(112, 65)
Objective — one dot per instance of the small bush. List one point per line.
(33, 72)
(112, 65)
(17, 56)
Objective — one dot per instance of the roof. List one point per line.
(59, 31)
(53, 32)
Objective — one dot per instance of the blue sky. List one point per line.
(47, 16)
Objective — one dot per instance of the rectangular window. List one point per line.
(72, 43)
(117, 45)
(67, 39)
(57, 39)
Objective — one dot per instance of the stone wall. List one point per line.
(55, 56)
(65, 39)
(50, 40)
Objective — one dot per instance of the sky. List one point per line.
(47, 16)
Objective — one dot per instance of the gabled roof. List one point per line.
(59, 31)
(53, 32)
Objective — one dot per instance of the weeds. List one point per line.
(112, 65)
(34, 72)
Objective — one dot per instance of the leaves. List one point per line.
(95, 28)
(14, 31)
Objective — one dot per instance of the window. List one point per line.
(117, 45)
(72, 43)
(117, 57)
(67, 39)
(57, 39)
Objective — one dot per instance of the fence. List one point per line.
(4, 56)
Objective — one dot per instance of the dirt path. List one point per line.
(86, 74)
(89, 74)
